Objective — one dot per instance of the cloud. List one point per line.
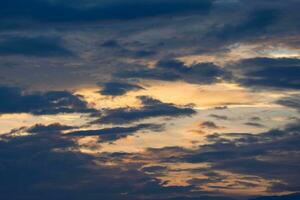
(41, 166)
(118, 88)
(112, 134)
(256, 23)
(264, 155)
(268, 73)
(209, 124)
(151, 108)
(221, 108)
(268, 156)
(148, 74)
(139, 40)
(201, 73)
(283, 197)
(219, 117)
(255, 124)
(203, 197)
(78, 11)
(33, 46)
(49, 165)
(40, 128)
(121, 50)
(292, 101)
(14, 100)
(153, 169)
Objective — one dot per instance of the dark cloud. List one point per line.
(200, 198)
(31, 167)
(14, 100)
(274, 73)
(248, 22)
(118, 88)
(153, 169)
(292, 101)
(242, 152)
(121, 50)
(256, 23)
(151, 108)
(206, 73)
(49, 165)
(220, 117)
(112, 134)
(221, 107)
(255, 124)
(40, 128)
(209, 124)
(283, 197)
(43, 166)
(111, 44)
(148, 74)
(255, 119)
(271, 155)
(147, 39)
(33, 46)
(78, 11)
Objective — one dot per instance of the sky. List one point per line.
(150, 99)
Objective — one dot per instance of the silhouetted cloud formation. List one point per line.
(292, 101)
(200, 198)
(121, 50)
(49, 165)
(215, 52)
(151, 108)
(48, 161)
(118, 88)
(240, 153)
(276, 73)
(206, 73)
(283, 197)
(112, 134)
(219, 117)
(255, 23)
(33, 46)
(255, 124)
(209, 124)
(42, 11)
(14, 100)
(40, 128)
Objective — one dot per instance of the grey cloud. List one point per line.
(14, 100)
(121, 50)
(78, 11)
(200, 198)
(272, 155)
(268, 73)
(40, 128)
(282, 197)
(118, 88)
(255, 23)
(33, 46)
(220, 117)
(292, 101)
(151, 108)
(209, 124)
(49, 165)
(201, 73)
(242, 154)
(255, 124)
(115, 133)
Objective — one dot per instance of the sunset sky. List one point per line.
(150, 99)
